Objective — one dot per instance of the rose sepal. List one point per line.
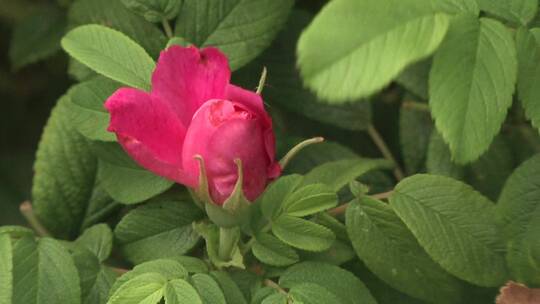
(235, 210)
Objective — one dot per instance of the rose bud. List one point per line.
(194, 121)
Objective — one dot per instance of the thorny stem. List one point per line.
(28, 212)
(381, 145)
(167, 28)
(341, 208)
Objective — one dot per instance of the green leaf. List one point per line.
(303, 234)
(439, 159)
(160, 229)
(181, 292)
(382, 292)
(260, 296)
(489, 173)
(64, 174)
(412, 32)
(316, 155)
(343, 284)
(524, 140)
(96, 279)
(535, 22)
(275, 194)
(242, 29)
(110, 53)
(178, 41)
(146, 288)
(455, 225)
(309, 293)
(99, 292)
(333, 224)
(415, 126)
(6, 269)
(339, 253)
(390, 251)
(276, 298)
(87, 111)
(100, 207)
(115, 15)
(232, 293)
(309, 200)
(516, 11)
(247, 281)
(457, 6)
(169, 269)
(528, 52)
(519, 210)
(37, 36)
(16, 231)
(79, 71)
(415, 78)
(471, 84)
(123, 179)
(337, 174)
(154, 10)
(192, 264)
(208, 289)
(270, 250)
(284, 86)
(43, 273)
(98, 239)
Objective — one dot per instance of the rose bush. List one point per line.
(193, 110)
(159, 208)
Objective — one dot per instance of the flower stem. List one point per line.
(228, 239)
(167, 28)
(381, 145)
(28, 212)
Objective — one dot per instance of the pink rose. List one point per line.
(194, 110)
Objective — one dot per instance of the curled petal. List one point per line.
(149, 132)
(249, 99)
(186, 77)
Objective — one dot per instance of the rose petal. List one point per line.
(149, 132)
(188, 77)
(251, 100)
(221, 132)
(254, 103)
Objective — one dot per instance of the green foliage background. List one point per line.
(26, 97)
(445, 90)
